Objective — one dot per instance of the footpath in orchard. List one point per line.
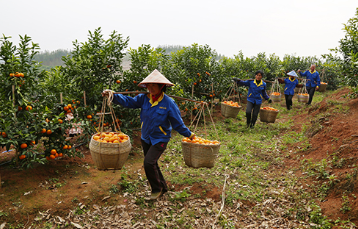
(72, 192)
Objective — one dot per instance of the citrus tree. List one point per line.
(27, 117)
(91, 67)
(346, 54)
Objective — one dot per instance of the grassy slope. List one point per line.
(268, 183)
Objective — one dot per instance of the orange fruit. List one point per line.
(118, 81)
(43, 131)
(48, 158)
(60, 121)
(33, 142)
(53, 151)
(28, 108)
(56, 154)
(89, 116)
(69, 106)
(12, 74)
(52, 157)
(23, 146)
(65, 147)
(22, 157)
(65, 108)
(69, 147)
(134, 81)
(49, 132)
(19, 108)
(60, 154)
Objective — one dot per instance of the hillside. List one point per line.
(300, 172)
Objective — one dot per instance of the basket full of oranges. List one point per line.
(275, 97)
(322, 87)
(303, 97)
(199, 152)
(110, 150)
(230, 109)
(268, 114)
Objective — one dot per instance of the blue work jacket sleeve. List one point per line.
(264, 94)
(177, 122)
(303, 73)
(127, 101)
(243, 82)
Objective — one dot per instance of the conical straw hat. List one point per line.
(292, 73)
(155, 77)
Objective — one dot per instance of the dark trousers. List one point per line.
(310, 91)
(151, 155)
(252, 111)
(288, 101)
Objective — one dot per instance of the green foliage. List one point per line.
(348, 49)
(94, 65)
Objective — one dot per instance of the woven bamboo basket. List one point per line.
(303, 98)
(229, 111)
(109, 155)
(275, 98)
(268, 116)
(322, 87)
(198, 155)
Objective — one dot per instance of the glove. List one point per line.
(269, 101)
(192, 136)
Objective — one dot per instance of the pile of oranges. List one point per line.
(269, 108)
(276, 93)
(17, 74)
(110, 137)
(323, 83)
(303, 94)
(202, 141)
(231, 103)
(56, 154)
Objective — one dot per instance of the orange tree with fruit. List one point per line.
(27, 115)
(93, 66)
(195, 69)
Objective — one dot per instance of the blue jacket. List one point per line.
(313, 79)
(290, 86)
(157, 118)
(256, 91)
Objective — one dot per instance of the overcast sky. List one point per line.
(301, 28)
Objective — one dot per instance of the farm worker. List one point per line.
(290, 84)
(257, 91)
(159, 114)
(313, 81)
